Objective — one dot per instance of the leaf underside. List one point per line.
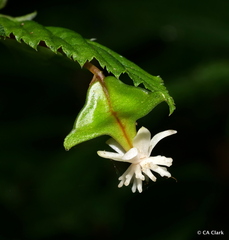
(74, 46)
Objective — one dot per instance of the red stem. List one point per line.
(98, 74)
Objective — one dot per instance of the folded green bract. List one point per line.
(112, 108)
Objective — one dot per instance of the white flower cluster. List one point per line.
(139, 156)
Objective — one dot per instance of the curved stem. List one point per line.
(98, 74)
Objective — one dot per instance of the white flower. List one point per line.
(139, 157)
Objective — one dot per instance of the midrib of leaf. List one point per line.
(115, 116)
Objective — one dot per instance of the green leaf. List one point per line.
(112, 108)
(74, 46)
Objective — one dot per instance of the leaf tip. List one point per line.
(68, 144)
(172, 106)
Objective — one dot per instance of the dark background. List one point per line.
(48, 193)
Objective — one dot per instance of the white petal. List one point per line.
(115, 145)
(138, 172)
(161, 160)
(121, 183)
(161, 170)
(127, 176)
(132, 153)
(142, 141)
(149, 174)
(132, 156)
(110, 155)
(137, 184)
(158, 137)
(128, 179)
(134, 186)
